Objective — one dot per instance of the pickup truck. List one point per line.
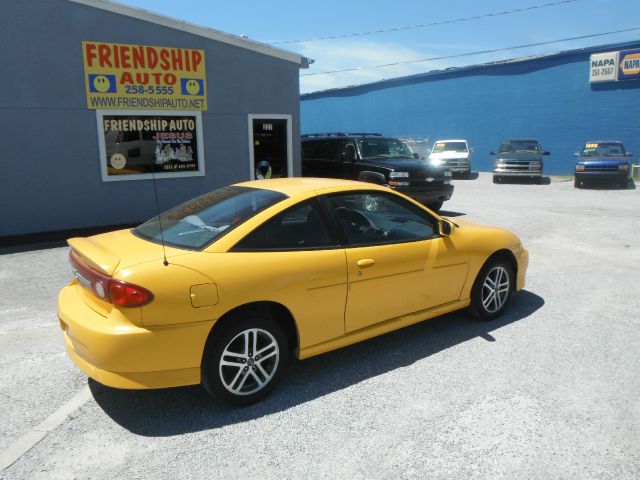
(372, 157)
(602, 161)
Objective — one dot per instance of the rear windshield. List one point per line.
(519, 146)
(449, 147)
(198, 222)
(603, 150)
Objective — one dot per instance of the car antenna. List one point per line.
(155, 191)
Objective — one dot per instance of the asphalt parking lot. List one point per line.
(549, 390)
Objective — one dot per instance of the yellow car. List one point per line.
(222, 289)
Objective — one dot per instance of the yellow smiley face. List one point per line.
(101, 83)
(193, 87)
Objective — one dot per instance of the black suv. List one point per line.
(371, 157)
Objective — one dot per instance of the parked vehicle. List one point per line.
(371, 157)
(602, 161)
(222, 289)
(454, 154)
(518, 158)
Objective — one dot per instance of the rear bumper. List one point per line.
(423, 194)
(116, 353)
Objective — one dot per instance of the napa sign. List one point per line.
(614, 66)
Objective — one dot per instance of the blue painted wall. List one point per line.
(548, 98)
(50, 177)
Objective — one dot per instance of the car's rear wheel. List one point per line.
(492, 289)
(577, 183)
(243, 361)
(497, 179)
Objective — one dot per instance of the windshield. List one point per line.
(603, 150)
(200, 221)
(384, 148)
(519, 146)
(449, 147)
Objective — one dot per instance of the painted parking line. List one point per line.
(32, 438)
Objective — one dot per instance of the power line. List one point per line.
(479, 52)
(423, 25)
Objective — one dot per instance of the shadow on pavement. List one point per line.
(462, 176)
(176, 411)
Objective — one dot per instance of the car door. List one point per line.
(294, 259)
(397, 263)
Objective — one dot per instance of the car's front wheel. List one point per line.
(492, 289)
(244, 360)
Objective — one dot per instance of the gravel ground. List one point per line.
(549, 390)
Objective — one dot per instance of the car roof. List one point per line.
(451, 140)
(603, 141)
(297, 185)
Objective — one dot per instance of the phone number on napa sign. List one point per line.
(123, 76)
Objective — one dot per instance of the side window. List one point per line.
(371, 218)
(301, 227)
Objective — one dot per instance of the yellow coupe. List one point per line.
(222, 289)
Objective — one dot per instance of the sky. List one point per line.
(284, 23)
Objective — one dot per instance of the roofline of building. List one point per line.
(206, 32)
(389, 82)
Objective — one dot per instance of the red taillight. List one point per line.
(117, 292)
(126, 294)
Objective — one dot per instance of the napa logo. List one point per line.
(603, 62)
(630, 63)
(99, 83)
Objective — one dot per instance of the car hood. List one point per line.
(403, 165)
(446, 155)
(524, 156)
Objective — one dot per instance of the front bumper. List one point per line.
(116, 353)
(427, 194)
(522, 257)
(506, 172)
(614, 176)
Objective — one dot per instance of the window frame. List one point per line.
(326, 222)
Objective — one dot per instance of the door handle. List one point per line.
(366, 262)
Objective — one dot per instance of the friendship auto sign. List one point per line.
(141, 77)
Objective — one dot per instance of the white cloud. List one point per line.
(340, 55)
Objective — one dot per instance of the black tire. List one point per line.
(497, 179)
(255, 376)
(577, 183)
(435, 206)
(495, 270)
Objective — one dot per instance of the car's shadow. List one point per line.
(471, 176)
(175, 411)
(630, 185)
(449, 213)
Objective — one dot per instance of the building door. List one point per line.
(271, 146)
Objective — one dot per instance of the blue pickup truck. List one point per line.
(602, 161)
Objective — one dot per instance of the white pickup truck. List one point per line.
(454, 154)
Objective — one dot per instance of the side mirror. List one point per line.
(416, 156)
(576, 154)
(492, 152)
(629, 154)
(546, 153)
(445, 228)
